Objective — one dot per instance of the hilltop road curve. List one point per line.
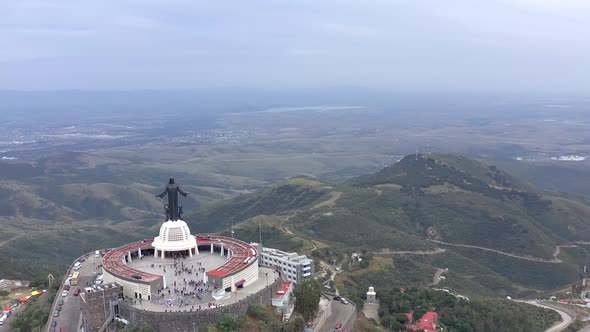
(566, 318)
(436, 278)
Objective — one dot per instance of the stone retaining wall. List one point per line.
(350, 324)
(184, 320)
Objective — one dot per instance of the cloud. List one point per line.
(569, 8)
(400, 44)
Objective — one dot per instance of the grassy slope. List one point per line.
(399, 209)
(434, 196)
(70, 204)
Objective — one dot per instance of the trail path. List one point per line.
(332, 275)
(387, 252)
(553, 260)
(283, 223)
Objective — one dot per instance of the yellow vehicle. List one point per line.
(75, 277)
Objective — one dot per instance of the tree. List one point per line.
(257, 311)
(297, 323)
(419, 312)
(4, 293)
(307, 298)
(135, 328)
(402, 318)
(227, 323)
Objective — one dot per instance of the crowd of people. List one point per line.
(186, 292)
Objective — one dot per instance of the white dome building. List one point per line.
(175, 236)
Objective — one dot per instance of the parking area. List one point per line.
(10, 319)
(19, 308)
(69, 315)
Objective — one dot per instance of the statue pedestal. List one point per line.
(175, 236)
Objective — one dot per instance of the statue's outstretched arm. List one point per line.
(163, 193)
(182, 192)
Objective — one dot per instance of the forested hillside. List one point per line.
(492, 230)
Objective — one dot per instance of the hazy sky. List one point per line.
(417, 45)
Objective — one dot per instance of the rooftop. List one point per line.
(290, 256)
(113, 261)
(242, 256)
(427, 321)
(284, 290)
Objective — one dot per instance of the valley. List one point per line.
(301, 186)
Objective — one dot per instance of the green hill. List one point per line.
(423, 213)
(497, 232)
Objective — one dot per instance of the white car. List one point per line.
(64, 293)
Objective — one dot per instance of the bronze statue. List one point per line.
(173, 210)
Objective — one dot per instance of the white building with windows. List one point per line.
(294, 267)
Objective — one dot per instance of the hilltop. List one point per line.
(493, 231)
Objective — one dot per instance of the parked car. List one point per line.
(337, 298)
(56, 313)
(338, 326)
(344, 301)
(53, 324)
(64, 293)
(67, 287)
(60, 302)
(77, 292)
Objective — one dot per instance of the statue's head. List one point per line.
(171, 180)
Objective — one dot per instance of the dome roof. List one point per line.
(174, 236)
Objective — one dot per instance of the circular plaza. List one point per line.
(214, 272)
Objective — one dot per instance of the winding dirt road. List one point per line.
(553, 260)
(387, 252)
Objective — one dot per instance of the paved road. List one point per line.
(436, 278)
(70, 313)
(566, 319)
(340, 314)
